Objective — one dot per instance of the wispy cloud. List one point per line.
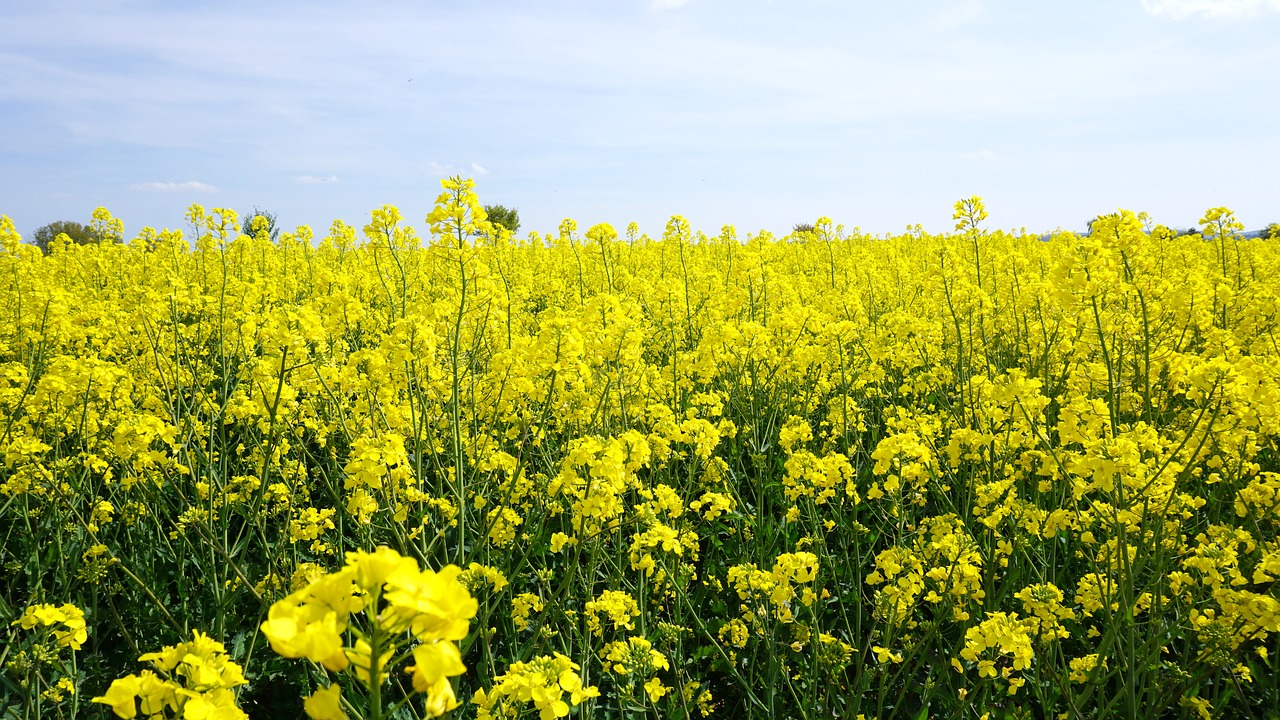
(1227, 9)
(618, 111)
(954, 14)
(188, 186)
(439, 169)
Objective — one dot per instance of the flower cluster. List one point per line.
(399, 602)
(193, 680)
(66, 622)
(544, 681)
(807, 472)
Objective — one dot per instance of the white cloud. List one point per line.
(439, 169)
(1179, 9)
(608, 100)
(188, 186)
(955, 14)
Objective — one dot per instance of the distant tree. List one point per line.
(1271, 232)
(269, 217)
(44, 236)
(508, 218)
(802, 227)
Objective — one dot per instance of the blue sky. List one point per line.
(752, 112)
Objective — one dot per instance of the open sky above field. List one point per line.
(761, 114)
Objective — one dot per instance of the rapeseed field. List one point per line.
(597, 475)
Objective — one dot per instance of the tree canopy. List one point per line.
(45, 235)
(268, 220)
(508, 218)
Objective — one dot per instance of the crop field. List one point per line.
(599, 475)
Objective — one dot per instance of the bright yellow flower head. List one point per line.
(322, 621)
(325, 704)
(434, 605)
(373, 569)
(195, 680)
(72, 632)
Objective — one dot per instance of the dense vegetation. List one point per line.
(828, 475)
